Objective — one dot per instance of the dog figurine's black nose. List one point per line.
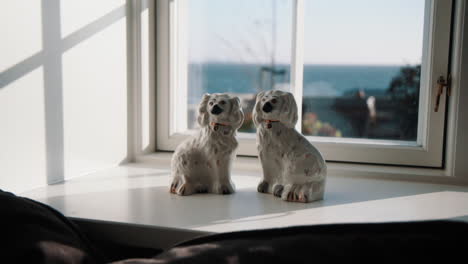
(267, 107)
(216, 110)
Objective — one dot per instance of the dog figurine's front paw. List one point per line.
(226, 188)
(263, 187)
(185, 189)
(294, 193)
(278, 190)
(174, 185)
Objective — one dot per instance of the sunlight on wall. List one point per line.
(95, 101)
(20, 31)
(77, 14)
(63, 99)
(22, 133)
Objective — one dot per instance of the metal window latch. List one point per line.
(441, 83)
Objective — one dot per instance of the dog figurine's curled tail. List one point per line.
(293, 169)
(202, 164)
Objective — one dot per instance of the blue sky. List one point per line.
(336, 31)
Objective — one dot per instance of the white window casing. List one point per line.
(427, 151)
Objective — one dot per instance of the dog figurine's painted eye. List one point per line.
(211, 103)
(222, 102)
(263, 99)
(274, 101)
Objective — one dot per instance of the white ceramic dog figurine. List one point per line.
(203, 163)
(293, 169)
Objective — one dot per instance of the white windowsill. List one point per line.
(135, 197)
(252, 164)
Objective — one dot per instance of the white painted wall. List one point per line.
(63, 90)
(95, 87)
(22, 121)
(22, 133)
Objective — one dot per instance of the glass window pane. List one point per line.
(240, 47)
(362, 64)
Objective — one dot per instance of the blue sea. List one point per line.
(319, 80)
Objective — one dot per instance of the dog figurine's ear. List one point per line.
(288, 114)
(236, 115)
(203, 118)
(257, 113)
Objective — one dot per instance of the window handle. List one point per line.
(441, 82)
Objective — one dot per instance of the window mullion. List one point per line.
(297, 57)
(178, 90)
(134, 78)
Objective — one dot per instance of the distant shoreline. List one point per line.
(305, 64)
(318, 80)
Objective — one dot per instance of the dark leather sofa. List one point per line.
(31, 232)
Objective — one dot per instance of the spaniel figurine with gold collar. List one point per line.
(202, 163)
(293, 169)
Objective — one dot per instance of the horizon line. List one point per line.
(317, 64)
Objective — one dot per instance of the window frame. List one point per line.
(428, 154)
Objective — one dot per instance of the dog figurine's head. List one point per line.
(275, 105)
(220, 108)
